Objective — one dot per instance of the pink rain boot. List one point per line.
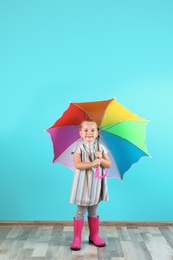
(94, 237)
(78, 225)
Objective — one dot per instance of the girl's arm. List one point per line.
(105, 161)
(85, 165)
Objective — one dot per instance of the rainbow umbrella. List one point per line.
(121, 132)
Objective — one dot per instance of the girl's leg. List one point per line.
(93, 222)
(92, 211)
(78, 226)
(80, 212)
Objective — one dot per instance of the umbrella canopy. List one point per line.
(121, 132)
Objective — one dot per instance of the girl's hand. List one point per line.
(98, 154)
(96, 162)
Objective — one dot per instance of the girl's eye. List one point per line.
(92, 130)
(86, 130)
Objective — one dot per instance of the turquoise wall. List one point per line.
(54, 52)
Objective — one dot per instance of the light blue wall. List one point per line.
(54, 52)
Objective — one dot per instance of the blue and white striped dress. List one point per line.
(86, 189)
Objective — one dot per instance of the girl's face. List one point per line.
(89, 132)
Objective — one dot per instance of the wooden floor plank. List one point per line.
(159, 248)
(168, 234)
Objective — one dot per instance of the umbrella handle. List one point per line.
(97, 174)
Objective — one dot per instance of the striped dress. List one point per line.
(86, 189)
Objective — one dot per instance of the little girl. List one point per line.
(87, 189)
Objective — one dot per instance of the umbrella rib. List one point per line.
(82, 109)
(147, 154)
(124, 138)
(75, 142)
(105, 110)
(110, 100)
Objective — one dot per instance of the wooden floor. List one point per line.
(52, 242)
